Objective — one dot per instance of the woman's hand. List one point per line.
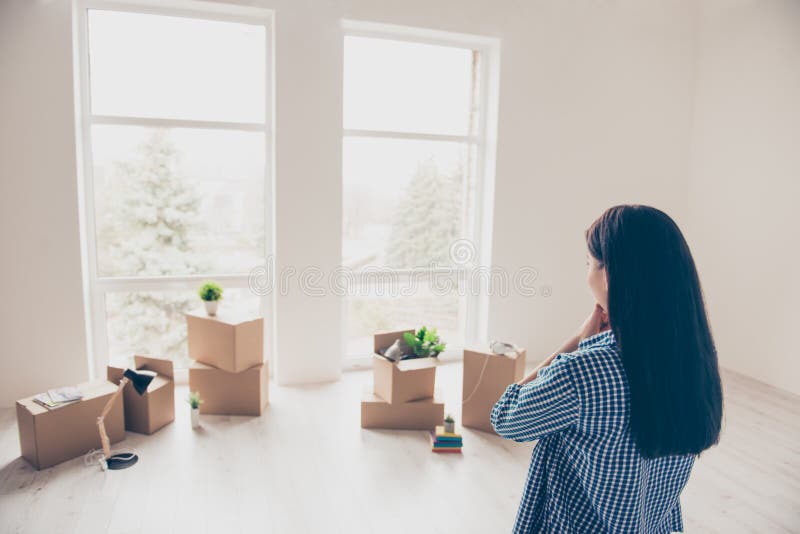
(594, 324)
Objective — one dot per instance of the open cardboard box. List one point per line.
(155, 408)
(415, 415)
(403, 381)
(49, 437)
(224, 393)
(483, 386)
(227, 341)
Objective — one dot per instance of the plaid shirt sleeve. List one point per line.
(543, 406)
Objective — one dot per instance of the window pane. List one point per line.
(368, 315)
(177, 201)
(174, 67)
(407, 87)
(152, 322)
(405, 201)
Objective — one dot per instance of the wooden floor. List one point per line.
(306, 466)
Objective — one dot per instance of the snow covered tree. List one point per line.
(427, 220)
(149, 226)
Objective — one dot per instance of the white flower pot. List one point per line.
(211, 306)
(195, 417)
(449, 427)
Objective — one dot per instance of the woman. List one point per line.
(624, 407)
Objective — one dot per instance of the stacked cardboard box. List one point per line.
(486, 377)
(155, 408)
(403, 394)
(229, 372)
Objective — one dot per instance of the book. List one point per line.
(445, 443)
(43, 399)
(56, 398)
(458, 450)
(441, 434)
(65, 394)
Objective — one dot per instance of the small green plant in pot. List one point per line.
(210, 293)
(425, 343)
(449, 424)
(195, 401)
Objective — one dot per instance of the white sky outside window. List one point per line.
(179, 68)
(406, 87)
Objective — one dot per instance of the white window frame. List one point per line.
(475, 319)
(96, 286)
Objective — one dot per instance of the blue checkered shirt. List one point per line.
(586, 474)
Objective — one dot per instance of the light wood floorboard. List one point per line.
(306, 467)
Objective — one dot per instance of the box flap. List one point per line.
(487, 352)
(161, 366)
(157, 383)
(369, 396)
(225, 316)
(114, 374)
(417, 363)
(198, 365)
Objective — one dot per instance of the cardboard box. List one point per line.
(227, 341)
(156, 407)
(224, 393)
(404, 381)
(482, 387)
(49, 437)
(415, 415)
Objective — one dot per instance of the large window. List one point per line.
(176, 147)
(414, 177)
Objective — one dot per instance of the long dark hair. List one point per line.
(657, 314)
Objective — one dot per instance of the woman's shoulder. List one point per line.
(596, 361)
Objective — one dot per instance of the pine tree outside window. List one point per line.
(175, 145)
(417, 176)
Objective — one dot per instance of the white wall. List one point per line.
(745, 183)
(595, 107)
(41, 318)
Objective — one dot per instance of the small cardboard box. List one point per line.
(227, 341)
(486, 377)
(224, 393)
(415, 415)
(403, 381)
(49, 437)
(156, 407)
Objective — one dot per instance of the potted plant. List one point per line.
(195, 401)
(424, 343)
(449, 424)
(210, 292)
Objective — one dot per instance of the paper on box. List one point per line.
(402, 381)
(415, 415)
(227, 341)
(480, 393)
(225, 393)
(156, 407)
(49, 437)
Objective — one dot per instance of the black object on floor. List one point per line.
(121, 461)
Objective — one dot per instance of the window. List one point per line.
(176, 151)
(416, 171)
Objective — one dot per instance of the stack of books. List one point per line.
(56, 398)
(442, 441)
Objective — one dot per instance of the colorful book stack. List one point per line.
(442, 441)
